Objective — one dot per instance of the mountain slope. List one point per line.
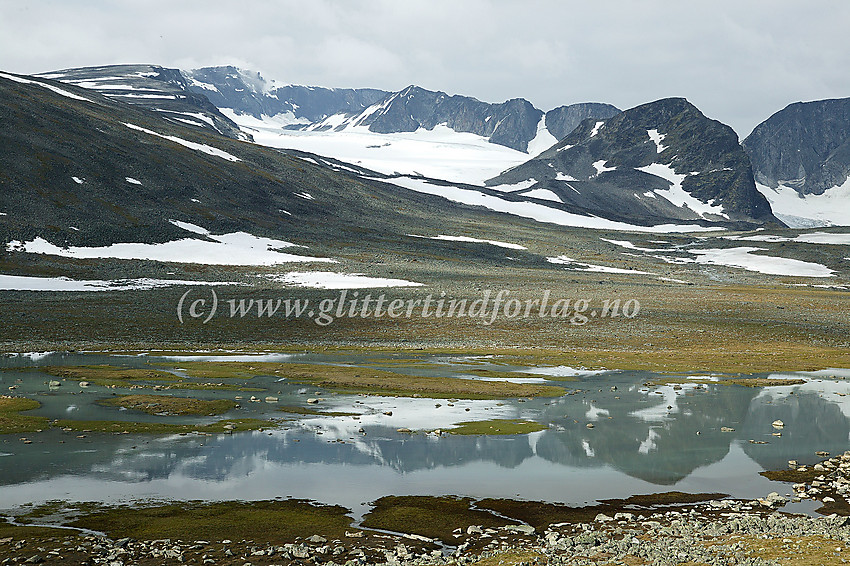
(80, 169)
(661, 161)
(153, 87)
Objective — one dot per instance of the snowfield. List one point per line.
(441, 153)
(832, 208)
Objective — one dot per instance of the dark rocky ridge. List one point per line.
(512, 123)
(805, 146)
(706, 151)
(155, 88)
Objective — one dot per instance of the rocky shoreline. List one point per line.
(717, 532)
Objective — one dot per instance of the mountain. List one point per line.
(659, 162)
(153, 87)
(805, 146)
(514, 123)
(247, 92)
(801, 161)
(81, 169)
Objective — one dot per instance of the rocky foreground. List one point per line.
(711, 535)
(662, 530)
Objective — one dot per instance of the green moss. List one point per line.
(744, 381)
(23, 532)
(434, 517)
(366, 380)
(238, 425)
(497, 427)
(157, 404)
(109, 376)
(224, 370)
(540, 514)
(11, 419)
(791, 476)
(264, 522)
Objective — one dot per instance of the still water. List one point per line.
(645, 439)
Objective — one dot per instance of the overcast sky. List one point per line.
(738, 61)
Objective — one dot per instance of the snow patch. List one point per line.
(597, 127)
(55, 89)
(771, 265)
(813, 238)
(563, 371)
(543, 139)
(544, 194)
(132, 181)
(676, 194)
(209, 150)
(472, 240)
(601, 168)
(515, 187)
(564, 260)
(657, 138)
(335, 280)
(564, 177)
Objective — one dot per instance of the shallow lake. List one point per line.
(645, 438)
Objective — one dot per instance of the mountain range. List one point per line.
(514, 123)
(658, 163)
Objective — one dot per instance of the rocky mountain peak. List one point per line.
(805, 146)
(663, 160)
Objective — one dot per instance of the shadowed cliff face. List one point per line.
(805, 146)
